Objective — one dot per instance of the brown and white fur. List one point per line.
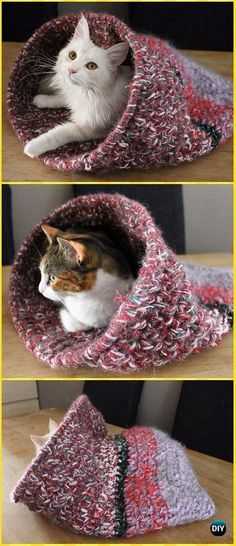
(83, 270)
(40, 441)
(92, 84)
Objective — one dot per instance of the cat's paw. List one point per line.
(40, 101)
(70, 324)
(34, 148)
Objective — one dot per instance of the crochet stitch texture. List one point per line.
(123, 485)
(164, 317)
(176, 112)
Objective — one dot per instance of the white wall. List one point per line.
(207, 210)
(31, 202)
(58, 394)
(158, 404)
(19, 397)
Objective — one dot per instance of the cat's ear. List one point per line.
(38, 441)
(117, 53)
(82, 30)
(52, 426)
(50, 232)
(73, 249)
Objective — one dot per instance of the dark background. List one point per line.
(204, 418)
(204, 415)
(188, 25)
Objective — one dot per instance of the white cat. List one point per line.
(90, 82)
(40, 441)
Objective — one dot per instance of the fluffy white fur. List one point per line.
(40, 441)
(95, 98)
(88, 309)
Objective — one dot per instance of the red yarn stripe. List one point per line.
(145, 507)
(212, 294)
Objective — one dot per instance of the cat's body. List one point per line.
(90, 82)
(92, 308)
(83, 270)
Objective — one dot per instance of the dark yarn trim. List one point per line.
(121, 525)
(215, 135)
(179, 76)
(222, 308)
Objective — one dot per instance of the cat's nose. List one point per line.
(71, 70)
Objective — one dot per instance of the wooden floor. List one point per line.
(20, 526)
(214, 362)
(216, 167)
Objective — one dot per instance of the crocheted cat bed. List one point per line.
(165, 317)
(177, 110)
(123, 485)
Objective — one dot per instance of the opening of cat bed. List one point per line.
(49, 40)
(159, 320)
(176, 111)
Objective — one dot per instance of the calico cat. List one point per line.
(40, 441)
(83, 270)
(91, 83)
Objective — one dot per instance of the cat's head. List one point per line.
(82, 63)
(72, 261)
(40, 441)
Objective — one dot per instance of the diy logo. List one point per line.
(218, 528)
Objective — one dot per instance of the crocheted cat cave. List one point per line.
(176, 112)
(165, 317)
(123, 485)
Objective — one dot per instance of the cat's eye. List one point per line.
(72, 55)
(91, 66)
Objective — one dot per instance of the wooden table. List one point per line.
(214, 362)
(20, 525)
(17, 167)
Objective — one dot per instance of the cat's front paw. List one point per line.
(40, 101)
(34, 148)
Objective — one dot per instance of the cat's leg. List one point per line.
(49, 101)
(70, 323)
(58, 136)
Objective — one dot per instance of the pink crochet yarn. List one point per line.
(165, 317)
(177, 110)
(123, 485)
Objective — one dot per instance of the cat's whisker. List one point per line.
(28, 61)
(44, 60)
(44, 65)
(39, 253)
(60, 300)
(51, 63)
(37, 60)
(35, 261)
(34, 74)
(45, 56)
